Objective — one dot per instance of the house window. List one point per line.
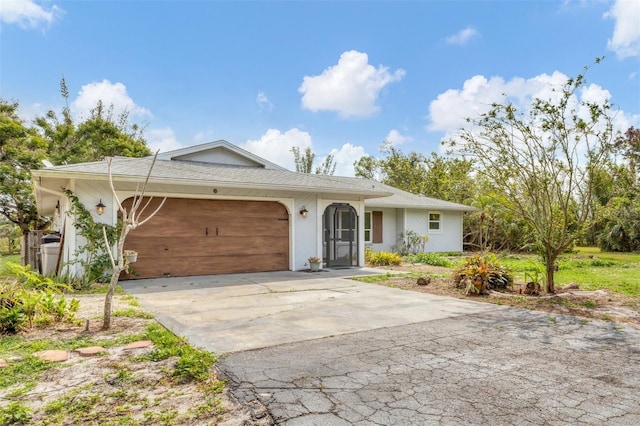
(373, 227)
(435, 222)
(367, 227)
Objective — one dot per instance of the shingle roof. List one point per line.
(189, 172)
(376, 194)
(405, 199)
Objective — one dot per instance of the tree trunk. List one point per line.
(550, 265)
(106, 321)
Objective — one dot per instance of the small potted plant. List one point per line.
(130, 256)
(315, 263)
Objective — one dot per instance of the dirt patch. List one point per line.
(599, 305)
(115, 387)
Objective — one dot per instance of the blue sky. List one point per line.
(339, 77)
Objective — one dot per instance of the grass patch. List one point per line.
(120, 402)
(100, 288)
(375, 279)
(434, 259)
(28, 369)
(132, 313)
(588, 267)
(4, 271)
(14, 414)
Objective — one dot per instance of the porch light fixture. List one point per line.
(100, 207)
(303, 212)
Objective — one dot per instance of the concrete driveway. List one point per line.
(230, 313)
(331, 351)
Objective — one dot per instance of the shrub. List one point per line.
(367, 254)
(33, 300)
(383, 258)
(485, 268)
(33, 280)
(412, 242)
(433, 259)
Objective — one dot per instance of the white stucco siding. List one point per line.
(389, 234)
(448, 238)
(90, 193)
(305, 238)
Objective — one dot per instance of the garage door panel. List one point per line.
(203, 265)
(200, 237)
(187, 247)
(241, 231)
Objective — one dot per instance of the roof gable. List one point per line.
(220, 153)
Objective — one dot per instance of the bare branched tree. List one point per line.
(131, 219)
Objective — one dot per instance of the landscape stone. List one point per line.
(53, 355)
(423, 280)
(3, 363)
(90, 351)
(139, 344)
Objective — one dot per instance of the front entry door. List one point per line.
(340, 236)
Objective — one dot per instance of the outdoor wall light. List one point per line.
(303, 212)
(100, 207)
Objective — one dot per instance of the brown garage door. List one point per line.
(201, 237)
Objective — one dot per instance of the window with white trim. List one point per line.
(367, 227)
(435, 222)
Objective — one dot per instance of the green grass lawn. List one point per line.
(590, 268)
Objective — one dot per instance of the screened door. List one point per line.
(340, 236)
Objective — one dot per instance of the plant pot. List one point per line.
(131, 258)
(315, 266)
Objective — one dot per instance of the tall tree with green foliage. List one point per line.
(629, 146)
(617, 208)
(542, 158)
(61, 140)
(435, 176)
(304, 162)
(99, 136)
(21, 150)
(404, 171)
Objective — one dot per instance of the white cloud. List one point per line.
(110, 94)
(263, 102)
(162, 139)
(463, 36)
(351, 87)
(396, 138)
(344, 158)
(626, 33)
(275, 146)
(27, 13)
(205, 136)
(448, 112)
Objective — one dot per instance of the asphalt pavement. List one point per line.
(321, 349)
(507, 367)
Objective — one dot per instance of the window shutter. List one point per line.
(376, 218)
